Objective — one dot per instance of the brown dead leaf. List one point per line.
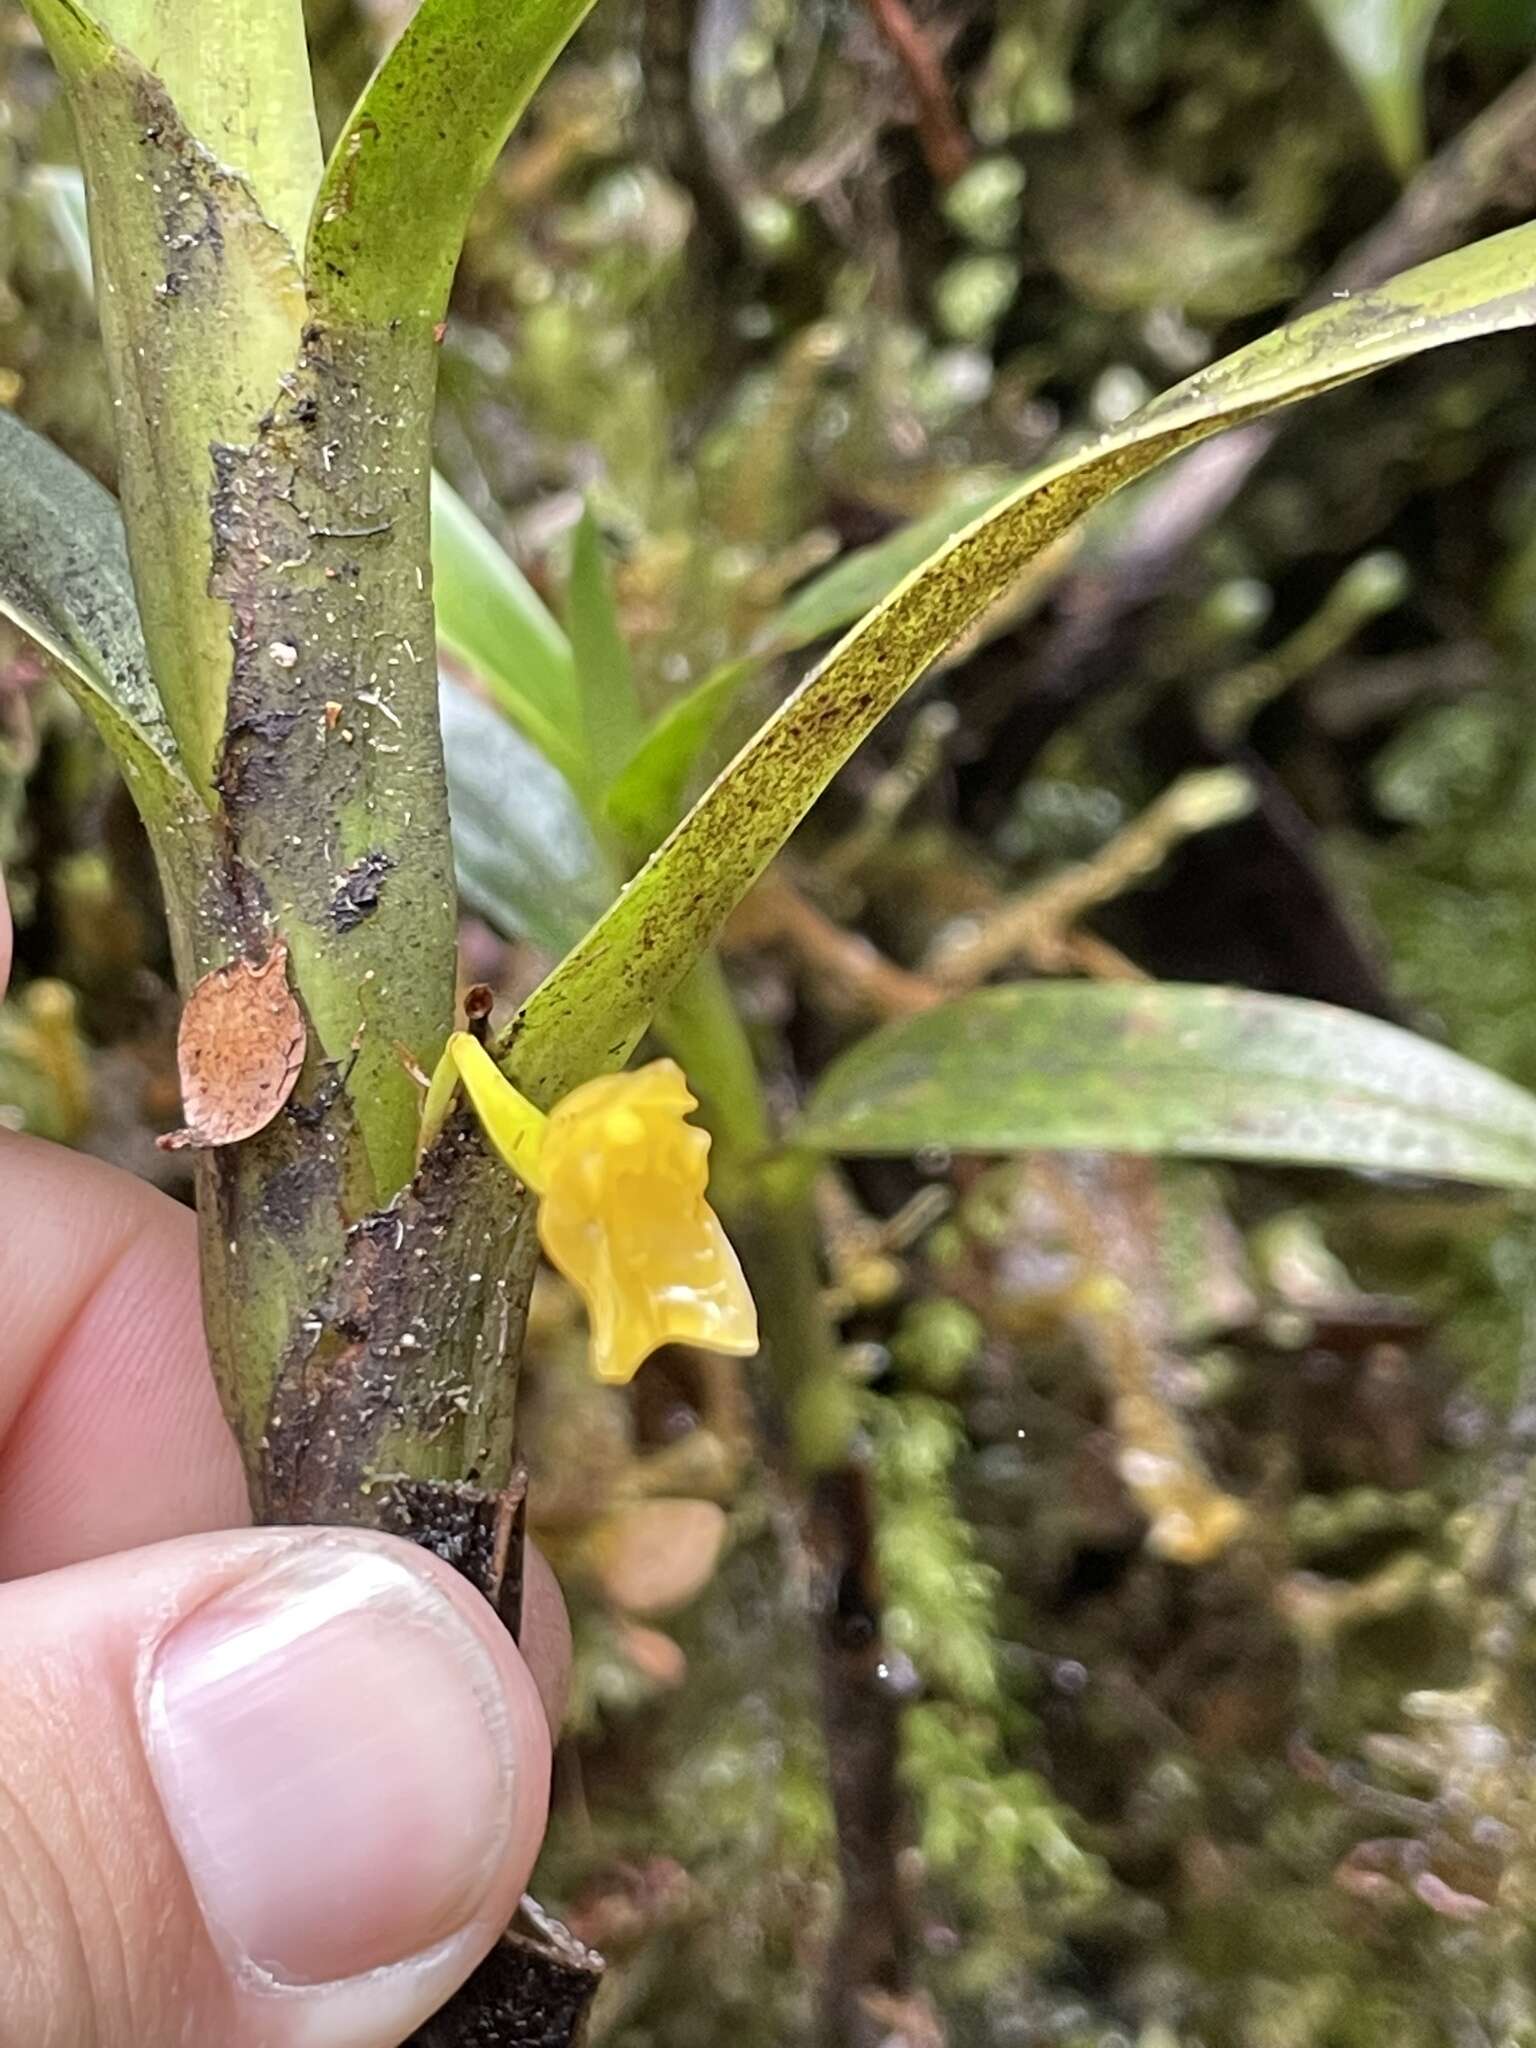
(654, 1654)
(655, 1555)
(239, 1050)
(910, 2020)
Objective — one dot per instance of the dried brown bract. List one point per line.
(239, 1049)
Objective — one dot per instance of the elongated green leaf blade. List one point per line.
(1382, 45)
(383, 244)
(646, 798)
(861, 579)
(592, 1010)
(490, 618)
(65, 580)
(525, 856)
(610, 710)
(1207, 1072)
(394, 202)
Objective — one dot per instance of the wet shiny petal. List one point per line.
(623, 1215)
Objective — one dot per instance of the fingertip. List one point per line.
(527, 1715)
(319, 1765)
(5, 935)
(111, 1433)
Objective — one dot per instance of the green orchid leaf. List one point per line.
(610, 711)
(592, 1010)
(492, 621)
(860, 579)
(1382, 45)
(647, 797)
(65, 580)
(1203, 1072)
(394, 202)
(526, 859)
(384, 241)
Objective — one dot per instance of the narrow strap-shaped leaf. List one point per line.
(64, 579)
(1382, 45)
(610, 710)
(383, 243)
(648, 793)
(394, 202)
(593, 1008)
(1164, 1068)
(490, 618)
(525, 855)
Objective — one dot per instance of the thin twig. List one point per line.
(1107, 1211)
(1368, 587)
(777, 913)
(946, 146)
(1038, 925)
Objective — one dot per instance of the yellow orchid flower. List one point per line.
(621, 1179)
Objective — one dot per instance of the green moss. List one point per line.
(935, 1344)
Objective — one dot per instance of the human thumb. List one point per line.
(275, 1789)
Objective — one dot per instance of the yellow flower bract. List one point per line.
(621, 1177)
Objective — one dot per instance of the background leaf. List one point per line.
(65, 580)
(592, 1010)
(490, 617)
(524, 854)
(647, 796)
(610, 711)
(1208, 1072)
(1382, 45)
(57, 191)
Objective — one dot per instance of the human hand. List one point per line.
(258, 1788)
